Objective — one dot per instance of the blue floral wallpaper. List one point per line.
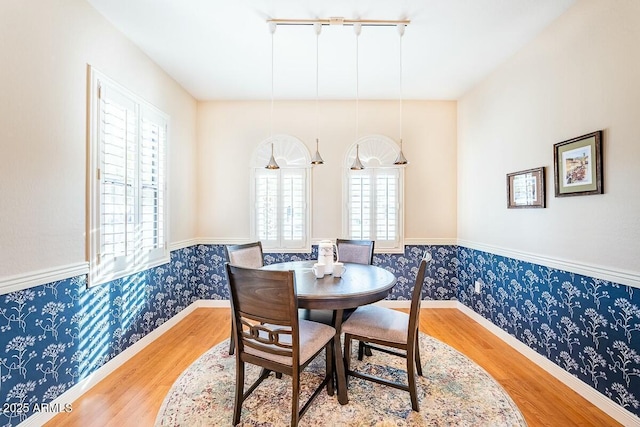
(55, 335)
(587, 326)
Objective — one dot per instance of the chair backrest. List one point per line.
(264, 311)
(416, 297)
(245, 255)
(356, 251)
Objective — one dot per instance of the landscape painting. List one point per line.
(578, 165)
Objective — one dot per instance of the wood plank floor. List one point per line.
(132, 395)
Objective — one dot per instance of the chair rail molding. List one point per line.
(623, 277)
(42, 277)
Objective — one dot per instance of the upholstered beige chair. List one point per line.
(269, 334)
(373, 324)
(356, 251)
(244, 255)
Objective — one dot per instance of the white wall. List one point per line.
(228, 132)
(45, 47)
(580, 75)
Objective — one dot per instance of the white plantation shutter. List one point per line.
(386, 211)
(151, 175)
(360, 205)
(118, 129)
(127, 231)
(293, 205)
(373, 195)
(373, 205)
(280, 216)
(267, 194)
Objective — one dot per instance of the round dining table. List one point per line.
(360, 284)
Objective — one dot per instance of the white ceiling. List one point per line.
(221, 49)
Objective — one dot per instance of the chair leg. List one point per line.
(232, 342)
(237, 404)
(329, 367)
(411, 377)
(347, 357)
(367, 350)
(295, 396)
(418, 361)
(361, 350)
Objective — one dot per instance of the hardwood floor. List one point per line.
(132, 395)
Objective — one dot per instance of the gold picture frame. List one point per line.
(577, 165)
(525, 189)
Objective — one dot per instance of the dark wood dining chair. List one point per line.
(243, 255)
(375, 325)
(356, 251)
(269, 334)
(359, 252)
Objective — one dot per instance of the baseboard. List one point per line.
(213, 303)
(383, 303)
(101, 373)
(605, 404)
(424, 304)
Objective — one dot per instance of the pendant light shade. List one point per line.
(272, 161)
(317, 158)
(357, 164)
(401, 159)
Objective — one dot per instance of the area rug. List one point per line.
(454, 391)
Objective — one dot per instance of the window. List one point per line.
(280, 216)
(127, 203)
(374, 195)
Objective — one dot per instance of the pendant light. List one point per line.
(401, 160)
(357, 164)
(272, 161)
(317, 158)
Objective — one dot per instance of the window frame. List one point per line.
(377, 153)
(291, 154)
(104, 269)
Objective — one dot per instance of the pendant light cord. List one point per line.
(273, 30)
(401, 31)
(357, 31)
(317, 75)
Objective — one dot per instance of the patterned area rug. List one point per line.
(453, 391)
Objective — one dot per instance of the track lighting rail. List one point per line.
(341, 22)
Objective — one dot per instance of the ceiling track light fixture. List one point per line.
(340, 21)
(272, 161)
(317, 158)
(401, 159)
(357, 26)
(357, 164)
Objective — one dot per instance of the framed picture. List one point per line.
(578, 165)
(525, 189)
